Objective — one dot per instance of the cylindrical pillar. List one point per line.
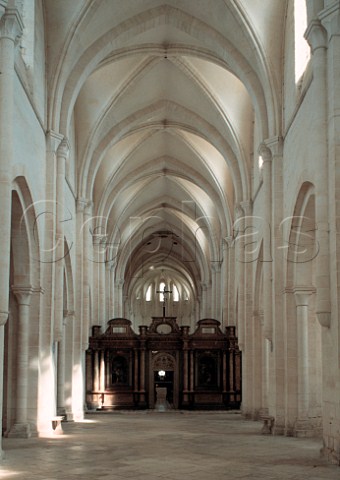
(317, 37)
(302, 299)
(96, 381)
(21, 427)
(266, 155)
(62, 154)
(11, 27)
(61, 370)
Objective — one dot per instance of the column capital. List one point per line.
(330, 19)
(265, 152)
(23, 293)
(216, 266)
(3, 5)
(83, 204)
(271, 147)
(247, 207)
(3, 318)
(63, 149)
(11, 24)
(316, 35)
(239, 213)
(229, 242)
(302, 294)
(53, 140)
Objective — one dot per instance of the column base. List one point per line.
(331, 455)
(69, 417)
(20, 430)
(306, 428)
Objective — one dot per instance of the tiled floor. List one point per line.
(174, 445)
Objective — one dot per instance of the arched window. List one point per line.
(175, 293)
(161, 289)
(302, 50)
(148, 294)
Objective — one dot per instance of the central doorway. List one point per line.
(164, 380)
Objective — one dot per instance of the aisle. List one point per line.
(169, 445)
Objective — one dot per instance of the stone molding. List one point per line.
(330, 19)
(53, 140)
(302, 295)
(63, 149)
(23, 293)
(3, 5)
(11, 25)
(316, 35)
(3, 318)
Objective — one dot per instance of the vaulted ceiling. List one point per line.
(164, 97)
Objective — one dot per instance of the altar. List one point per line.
(125, 369)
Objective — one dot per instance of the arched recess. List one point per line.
(20, 398)
(303, 331)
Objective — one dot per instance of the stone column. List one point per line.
(204, 291)
(87, 258)
(248, 358)
(216, 290)
(112, 292)
(107, 292)
(240, 245)
(119, 299)
(62, 155)
(266, 155)
(11, 28)
(21, 428)
(230, 281)
(61, 410)
(225, 287)
(317, 38)
(302, 296)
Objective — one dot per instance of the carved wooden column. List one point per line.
(96, 379)
(192, 366)
(21, 428)
(11, 28)
(185, 336)
(142, 371)
(102, 371)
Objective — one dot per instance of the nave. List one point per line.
(170, 445)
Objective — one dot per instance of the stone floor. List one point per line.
(170, 445)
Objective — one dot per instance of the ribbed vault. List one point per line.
(164, 100)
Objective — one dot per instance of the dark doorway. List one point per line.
(166, 380)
